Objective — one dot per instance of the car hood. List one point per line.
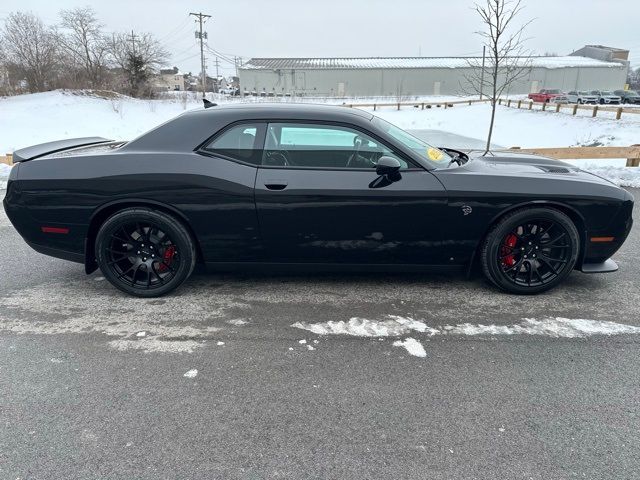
(526, 165)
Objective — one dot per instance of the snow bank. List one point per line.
(621, 176)
(4, 174)
(521, 128)
(44, 117)
(30, 119)
(394, 326)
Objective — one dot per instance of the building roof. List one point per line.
(409, 62)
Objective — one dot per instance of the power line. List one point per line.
(178, 30)
(201, 19)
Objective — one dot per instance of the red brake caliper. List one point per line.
(507, 249)
(167, 258)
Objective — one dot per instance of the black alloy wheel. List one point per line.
(144, 252)
(530, 250)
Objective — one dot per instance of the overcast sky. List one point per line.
(329, 28)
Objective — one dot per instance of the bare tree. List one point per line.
(31, 50)
(507, 61)
(138, 56)
(85, 44)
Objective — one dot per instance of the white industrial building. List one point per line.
(410, 76)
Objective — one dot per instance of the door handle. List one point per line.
(275, 184)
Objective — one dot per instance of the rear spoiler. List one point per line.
(35, 151)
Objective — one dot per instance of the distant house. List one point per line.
(170, 79)
(215, 84)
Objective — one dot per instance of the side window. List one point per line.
(322, 146)
(240, 142)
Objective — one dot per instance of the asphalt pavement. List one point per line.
(93, 385)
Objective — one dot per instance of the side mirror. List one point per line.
(387, 166)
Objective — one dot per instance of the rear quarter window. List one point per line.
(239, 142)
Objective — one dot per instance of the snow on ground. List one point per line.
(394, 326)
(191, 373)
(413, 346)
(522, 128)
(30, 119)
(4, 174)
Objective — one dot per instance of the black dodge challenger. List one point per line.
(314, 186)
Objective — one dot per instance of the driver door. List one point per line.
(319, 200)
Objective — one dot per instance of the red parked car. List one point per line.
(545, 95)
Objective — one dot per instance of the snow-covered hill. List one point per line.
(31, 119)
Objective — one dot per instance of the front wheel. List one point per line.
(144, 252)
(530, 250)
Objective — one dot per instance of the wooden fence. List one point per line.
(420, 105)
(632, 153)
(572, 107)
(523, 104)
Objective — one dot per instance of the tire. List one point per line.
(518, 258)
(579, 102)
(144, 252)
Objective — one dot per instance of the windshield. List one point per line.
(553, 91)
(426, 151)
(604, 92)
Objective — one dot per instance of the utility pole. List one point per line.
(217, 76)
(484, 48)
(202, 36)
(133, 42)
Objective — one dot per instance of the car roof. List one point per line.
(191, 128)
(283, 110)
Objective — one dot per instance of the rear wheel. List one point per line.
(144, 252)
(530, 250)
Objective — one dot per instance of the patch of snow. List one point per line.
(394, 326)
(557, 327)
(191, 373)
(99, 279)
(309, 347)
(302, 342)
(220, 344)
(141, 334)
(413, 346)
(155, 345)
(238, 322)
(75, 303)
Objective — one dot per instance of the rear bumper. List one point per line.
(603, 267)
(57, 253)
